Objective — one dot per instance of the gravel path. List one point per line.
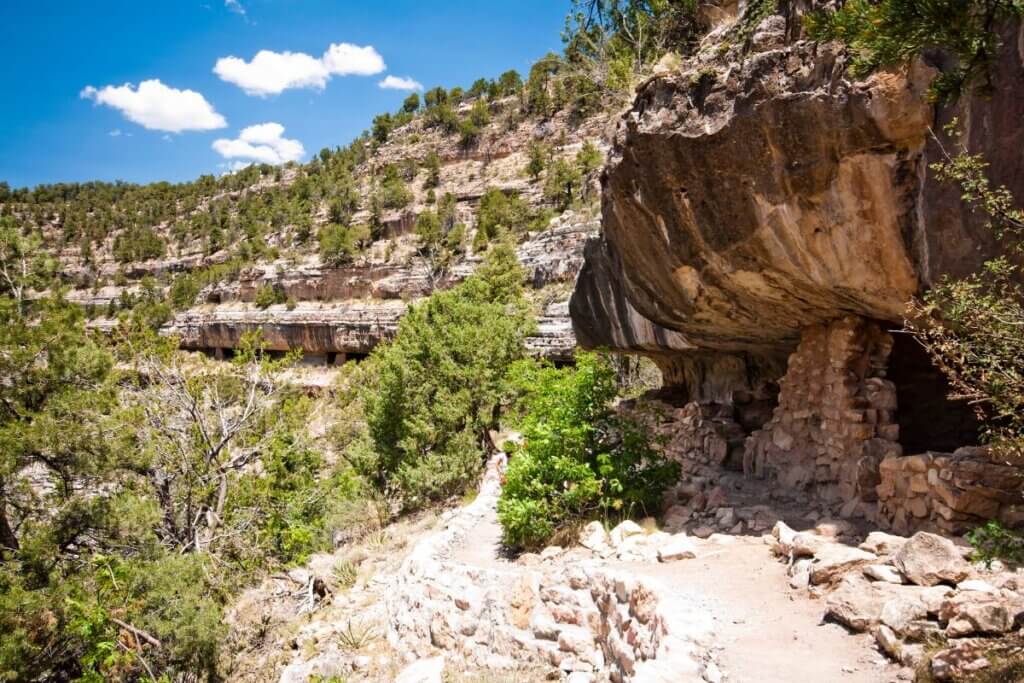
(737, 600)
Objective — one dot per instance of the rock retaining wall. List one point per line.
(834, 438)
(948, 493)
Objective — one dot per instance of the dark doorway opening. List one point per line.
(929, 420)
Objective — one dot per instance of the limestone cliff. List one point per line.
(337, 310)
(751, 194)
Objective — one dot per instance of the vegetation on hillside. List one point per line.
(432, 395)
(142, 487)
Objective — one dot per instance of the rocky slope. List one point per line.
(343, 310)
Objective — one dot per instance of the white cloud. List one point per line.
(271, 73)
(262, 143)
(400, 83)
(155, 106)
(235, 6)
(116, 133)
(345, 59)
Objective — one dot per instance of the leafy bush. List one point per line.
(994, 542)
(432, 164)
(437, 388)
(184, 291)
(393, 192)
(382, 126)
(267, 295)
(428, 229)
(562, 185)
(510, 83)
(501, 214)
(890, 32)
(580, 460)
(337, 243)
(589, 158)
(138, 244)
(411, 103)
(538, 159)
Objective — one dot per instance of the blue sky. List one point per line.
(52, 129)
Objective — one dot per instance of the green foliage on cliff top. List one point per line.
(891, 32)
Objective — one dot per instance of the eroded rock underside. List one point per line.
(766, 221)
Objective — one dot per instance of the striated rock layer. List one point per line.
(747, 200)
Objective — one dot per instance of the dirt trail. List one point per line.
(760, 629)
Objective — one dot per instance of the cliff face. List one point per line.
(766, 220)
(747, 198)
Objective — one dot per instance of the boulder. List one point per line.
(423, 671)
(595, 537)
(783, 535)
(883, 572)
(889, 642)
(927, 560)
(678, 547)
(976, 613)
(900, 613)
(856, 603)
(881, 543)
(832, 560)
(624, 531)
(807, 545)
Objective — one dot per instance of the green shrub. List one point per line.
(510, 83)
(502, 213)
(268, 295)
(382, 127)
(393, 192)
(184, 291)
(438, 387)
(562, 184)
(443, 116)
(432, 164)
(411, 103)
(589, 158)
(428, 229)
(538, 159)
(337, 243)
(138, 244)
(994, 542)
(580, 460)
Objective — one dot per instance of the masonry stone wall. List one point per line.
(950, 493)
(834, 439)
(835, 421)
